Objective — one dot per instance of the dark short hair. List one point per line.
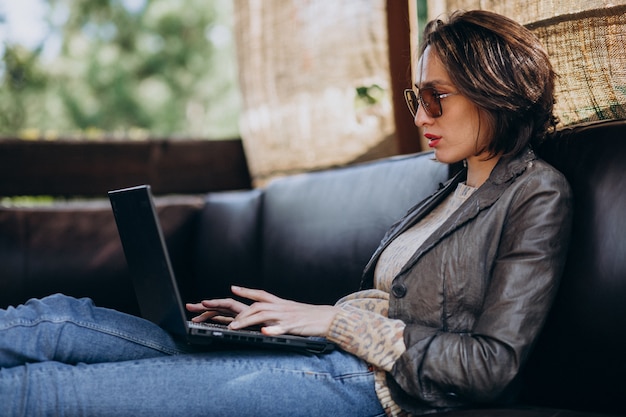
(501, 67)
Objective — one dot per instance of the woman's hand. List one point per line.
(274, 314)
(221, 310)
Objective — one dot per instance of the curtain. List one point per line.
(314, 82)
(586, 41)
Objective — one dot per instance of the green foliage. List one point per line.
(164, 67)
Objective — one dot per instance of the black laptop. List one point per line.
(155, 284)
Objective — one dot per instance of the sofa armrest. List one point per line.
(227, 248)
(74, 248)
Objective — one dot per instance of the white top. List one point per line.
(397, 254)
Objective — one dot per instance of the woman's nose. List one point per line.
(422, 118)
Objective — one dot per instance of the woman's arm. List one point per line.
(276, 315)
(357, 323)
(362, 327)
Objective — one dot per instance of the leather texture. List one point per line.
(460, 294)
(228, 240)
(319, 229)
(580, 361)
(74, 248)
(309, 237)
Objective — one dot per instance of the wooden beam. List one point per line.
(400, 53)
(91, 168)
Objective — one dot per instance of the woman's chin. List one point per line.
(443, 158)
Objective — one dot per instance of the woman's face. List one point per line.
(458, 133)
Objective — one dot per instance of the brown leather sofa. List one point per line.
(308, 237)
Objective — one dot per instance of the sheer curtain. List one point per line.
(314, 77)
(586, 41)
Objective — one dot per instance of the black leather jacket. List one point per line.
(475, 295)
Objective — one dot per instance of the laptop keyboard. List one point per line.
(217, 326)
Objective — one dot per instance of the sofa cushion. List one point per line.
(228, 245)
(579, 360)
(38, 260)
(319, 229)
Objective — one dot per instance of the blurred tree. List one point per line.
(158, 66)
(22, 77)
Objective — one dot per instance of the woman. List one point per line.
(451, 303)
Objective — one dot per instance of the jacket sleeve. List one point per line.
(441, 367)
(363, 329)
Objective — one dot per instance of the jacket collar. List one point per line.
(509, 168)
(505, 171)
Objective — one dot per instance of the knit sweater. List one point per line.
(363, 327)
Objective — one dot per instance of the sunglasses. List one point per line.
(428, 97)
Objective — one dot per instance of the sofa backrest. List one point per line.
(309, 236)
(227, 250)
(580, 361)
(74, 248)
(320, 229)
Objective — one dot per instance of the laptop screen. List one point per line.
(147, 257)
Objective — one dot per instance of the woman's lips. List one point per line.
(433, 140)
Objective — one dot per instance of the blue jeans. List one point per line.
(60, 356)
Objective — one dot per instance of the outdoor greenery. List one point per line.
(157, 68)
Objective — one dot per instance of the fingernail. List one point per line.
(235, 288)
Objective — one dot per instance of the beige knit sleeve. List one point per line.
(363, 329)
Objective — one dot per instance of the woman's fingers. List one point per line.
(220, 310)
(195, 307)
(287, 317)
(227, 304)
(213, 316)
(273, 330)
(276, 315)
(258, 313)
(255, 295)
